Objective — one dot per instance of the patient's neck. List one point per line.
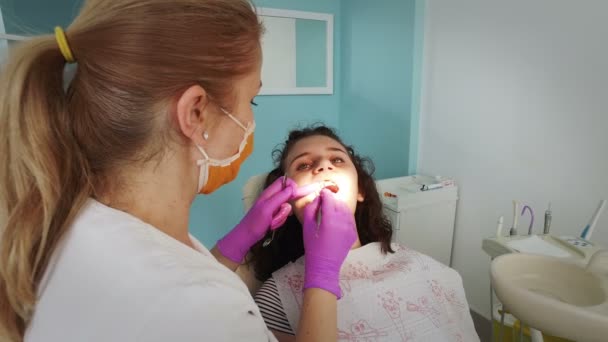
(357, 244)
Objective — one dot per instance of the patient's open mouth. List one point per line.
(331, 186)
(315, 188)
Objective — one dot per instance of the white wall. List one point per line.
(279, 48)
(515, 106)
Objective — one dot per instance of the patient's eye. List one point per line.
(337, 160)
(303, 166)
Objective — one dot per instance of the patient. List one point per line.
(389, 292)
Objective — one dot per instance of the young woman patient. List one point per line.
(389, 292)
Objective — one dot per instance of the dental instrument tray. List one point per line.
(415, 191)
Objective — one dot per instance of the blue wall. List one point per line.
(371, 106)
(377, 49)
(37, 16)
(212, 216)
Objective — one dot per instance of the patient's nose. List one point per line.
(323, 166)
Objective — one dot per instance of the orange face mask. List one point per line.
(215, 173)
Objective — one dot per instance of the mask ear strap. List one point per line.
(234, 119)
(201, 161)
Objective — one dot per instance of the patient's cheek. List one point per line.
(299, 204)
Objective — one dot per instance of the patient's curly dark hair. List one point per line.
(288, 244)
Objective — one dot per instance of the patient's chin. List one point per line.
(298, 205)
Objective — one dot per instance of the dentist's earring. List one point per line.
(205, 135)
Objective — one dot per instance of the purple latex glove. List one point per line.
(269, 211)
(327, 244)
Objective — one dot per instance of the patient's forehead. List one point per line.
(313, 144)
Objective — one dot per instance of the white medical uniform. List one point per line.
(116, 278)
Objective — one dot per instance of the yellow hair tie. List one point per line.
(62, 41)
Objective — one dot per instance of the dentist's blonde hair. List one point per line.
(58, 148)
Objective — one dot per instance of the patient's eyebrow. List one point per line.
(299, 156)
(333, 149)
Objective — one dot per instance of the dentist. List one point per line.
(97, 181)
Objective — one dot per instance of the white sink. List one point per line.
(553, 296)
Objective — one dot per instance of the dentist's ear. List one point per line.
(190, 113)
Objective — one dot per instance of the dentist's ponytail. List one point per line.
(43, 176)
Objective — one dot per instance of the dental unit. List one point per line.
(513, 230)
(586, 234)
(547, 225)
(554, 284)
(523, 211)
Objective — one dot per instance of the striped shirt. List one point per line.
(271, 308)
